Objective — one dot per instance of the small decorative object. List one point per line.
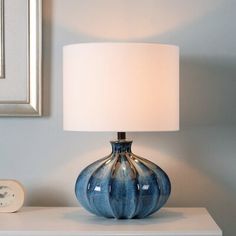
(121, 87)
(11, 195)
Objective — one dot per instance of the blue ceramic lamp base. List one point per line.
(122, 185)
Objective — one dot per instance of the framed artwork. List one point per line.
(20, 57)
(2, 58)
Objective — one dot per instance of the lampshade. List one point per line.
(121, 87)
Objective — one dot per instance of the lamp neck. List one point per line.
(121, 146)
(121, 136)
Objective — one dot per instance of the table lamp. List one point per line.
(121, 87)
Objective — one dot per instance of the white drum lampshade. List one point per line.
(121, 87)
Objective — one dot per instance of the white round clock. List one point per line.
(11, 195)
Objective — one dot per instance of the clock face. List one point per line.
(11, 195)
(7, 196)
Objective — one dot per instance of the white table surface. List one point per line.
(71, 221)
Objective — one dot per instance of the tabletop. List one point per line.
(75, 221)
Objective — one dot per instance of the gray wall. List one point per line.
(200, 159)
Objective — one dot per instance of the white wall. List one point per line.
(200, 159)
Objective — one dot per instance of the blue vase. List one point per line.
(122, 185)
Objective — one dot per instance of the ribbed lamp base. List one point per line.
(122, 185)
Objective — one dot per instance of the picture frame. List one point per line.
(30, 101)
(2, 56)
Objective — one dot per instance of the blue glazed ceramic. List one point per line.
(122, 185)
